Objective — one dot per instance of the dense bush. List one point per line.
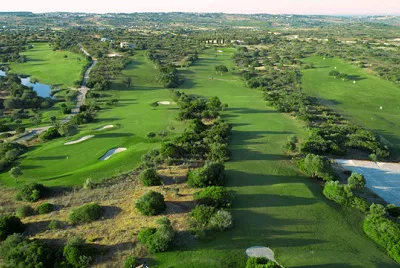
(15, 251)
(212, 174)
(50, 134)
(151, 203)
(149, 177)
(10, 152)
(77, 253)
(343, 194)
(157, 239)
(202, 214)
(260, 262)
(221, 220)
(316, 167)
(215, 196)
(86, 213)
(24, 211)
(54, 225)
(10, 225)
(31, 192)
(356, 180)
(383, 231)
(45, 208)
(130, 262)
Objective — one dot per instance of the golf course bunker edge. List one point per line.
(111, 152)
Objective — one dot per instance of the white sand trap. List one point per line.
(79, 140)
(219, 51)
(111, 152)
(382, 178)
(165, 102)
(104, 127)
(259, 251)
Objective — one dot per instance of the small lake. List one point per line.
(42, 90)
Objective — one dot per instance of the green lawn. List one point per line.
(54, 163)
(360, 101)
(275, 206)
(50, 67)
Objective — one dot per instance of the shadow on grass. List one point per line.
(112, 135)
(46, 158)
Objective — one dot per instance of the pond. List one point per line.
(42, 90)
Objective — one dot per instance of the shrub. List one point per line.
(383, 231)
(54, 225)
(157, 240)
(149, 177)
(86, 213)
(212, 174)
(130, 262)
(50, 134)
(151, 203)
(260, 262)
(15, 251)
(10, 225)
(218, 152)
(316, 167)
(221, 220)
(202, 214)
(356, 180)
(336, 192)
(215, 196)
(31, 192)
(24, 211)
(45, 208)
(77, 252)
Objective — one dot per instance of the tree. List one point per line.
(53, 120)
(221, 69)
(10, 225)
(150, 135)
(356, 180)
(212, 174)
(36, 119)
(68, 130)
(157, 239)
(15, 172)
(128, 81)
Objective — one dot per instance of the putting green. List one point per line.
(369, 102)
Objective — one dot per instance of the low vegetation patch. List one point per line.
(157, 239)
(31, 192)
(151, 203)
(86, 214)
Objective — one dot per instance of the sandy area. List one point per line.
(259, 251)
(382, 178)
(79, 140)
(104, 127)
(111, 152)
(165, 102)
(219, 51)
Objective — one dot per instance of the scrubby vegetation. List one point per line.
(10, 225)
(157, 239)
(86, 213)
(151, 203)
(31, 192)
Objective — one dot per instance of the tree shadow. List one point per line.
(179, 207)
(46, 158)
(110, 212)
(113, 135)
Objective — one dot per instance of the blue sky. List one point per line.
(342, 7)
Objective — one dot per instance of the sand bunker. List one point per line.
(79, 140)
(111, 152)
(259, 251)
(382, 178)
(219, 51)
(104, 127)
(165, 102)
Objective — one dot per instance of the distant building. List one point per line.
(126, 45)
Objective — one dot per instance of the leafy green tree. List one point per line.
(212, 174)
(221, 69)
(10, 225)
(356, 180)
(128, 81)
(157, 239)
(15, 172)
(86, 213)
(149, 177)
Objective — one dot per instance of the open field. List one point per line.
(50, 67)
(275, 205)
(382, 178)
(53, 163)
(360, 101)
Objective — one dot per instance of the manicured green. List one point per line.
(50, 67)
(54, 163)
(361, 101)
(275, 206)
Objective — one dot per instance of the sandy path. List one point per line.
(79, 140)
(111, 152)
(382, 178)
(259, 251)
(104, 127)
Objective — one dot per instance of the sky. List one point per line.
(331, 7)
